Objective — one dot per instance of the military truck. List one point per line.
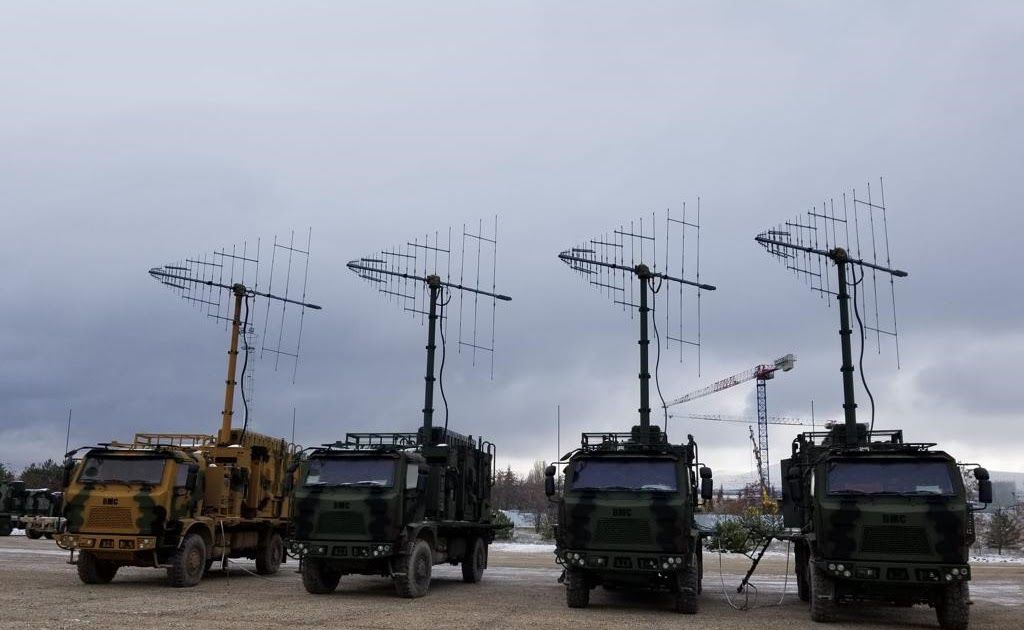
(394, 505)
(177, 501)
(37, 511)
(626, 516)
(875, 518)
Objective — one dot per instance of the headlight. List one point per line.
(831, 566)
(86, 542)
(840, 567)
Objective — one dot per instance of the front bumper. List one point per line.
(620, 561)
(895, 572)
(106, 543)
(342, 549)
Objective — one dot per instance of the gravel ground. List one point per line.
(39, 590)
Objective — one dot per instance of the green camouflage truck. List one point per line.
(877, 518)
(394, 505)
(626, 516)
(37, 511)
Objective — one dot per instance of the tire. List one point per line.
(318, 578)
(34, 534)
(803, 582)
(48, 535)
(953, 607)
(823, 596)
(414, 580)
(475, 562)
(92, 570)
(6, 529)
(188, 562)
(577, 591)
(270, 554)
(685, 596)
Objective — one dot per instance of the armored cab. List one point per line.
(12, 505)
(626, 516)
(180, 502)
(877, 518)
(394, 505)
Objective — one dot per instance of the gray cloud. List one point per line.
(131, 138)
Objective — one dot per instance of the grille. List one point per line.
(898, 540)
(341, 523)
(109, 517)
(623, 531)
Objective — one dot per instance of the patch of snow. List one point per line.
(992, 558)
(523, 547)
(17, 532)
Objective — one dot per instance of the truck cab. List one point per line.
(885, 520)
(394, 505)
(626, 516)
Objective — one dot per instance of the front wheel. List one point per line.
(687, 584)
(270, 554)
(34, 534)
(188, 562)
(318, 578)
(577, 591)
(414, 578)
(475, 562)
(823, 596)
(952, 607)
(92, 570)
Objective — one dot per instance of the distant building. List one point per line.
(1004, 493)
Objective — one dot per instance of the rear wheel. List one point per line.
(823, 596)
(414, 580)
(952, 607)
(318, 577)
(270, 554)
(92, 570)
(577, 591)
(34, 534)
(475, 562)
(48, 535)
(687, 583)
(188, 562)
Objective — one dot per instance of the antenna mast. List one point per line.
(201, 281)
(603, 263)
(823, 236)
(421, 271)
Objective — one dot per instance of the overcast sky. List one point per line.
(132, 136)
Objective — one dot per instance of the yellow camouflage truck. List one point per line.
(176, 501)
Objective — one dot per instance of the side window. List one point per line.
(180, 475)
(412, 473)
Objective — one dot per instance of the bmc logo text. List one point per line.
(622, 512)
(894, 519)
(341, 505)
(110, 501)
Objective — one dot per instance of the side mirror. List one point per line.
(707, 489)
(985, 491)
(69, 466)
(289, 477)
(549, 481)
(984, 485)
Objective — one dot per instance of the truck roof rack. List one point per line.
(184, 440)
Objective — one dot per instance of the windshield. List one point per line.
(351, 471)
(624, 474)
(141, 470)
(893, 477)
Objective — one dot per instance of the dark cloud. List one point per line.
(131, 138)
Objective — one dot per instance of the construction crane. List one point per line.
(762, 373)
(717, 417)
